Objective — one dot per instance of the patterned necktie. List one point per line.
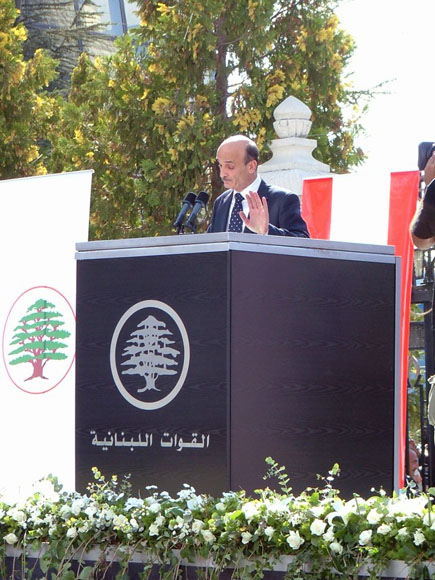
(236, 224)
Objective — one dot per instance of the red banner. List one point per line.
(393, 211)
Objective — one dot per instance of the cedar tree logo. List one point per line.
(149, 354)
(38, 345)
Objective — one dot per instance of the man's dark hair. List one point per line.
(251, 153)
(425, 151)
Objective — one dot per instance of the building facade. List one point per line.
(116, 16)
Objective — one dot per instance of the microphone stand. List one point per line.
(200, 203)
(188, 202)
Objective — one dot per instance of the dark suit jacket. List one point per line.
(284, 212)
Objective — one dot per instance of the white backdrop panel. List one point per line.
(41, 219)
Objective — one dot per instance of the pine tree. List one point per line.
(38, 338)
(149, 354)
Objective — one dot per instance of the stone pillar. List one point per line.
(292, 158)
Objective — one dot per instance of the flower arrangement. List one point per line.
(319, 534)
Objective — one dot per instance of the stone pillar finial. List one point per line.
(292, 158)
(292, 119)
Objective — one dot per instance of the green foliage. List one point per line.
(25, 109)
(149, 120)
(317, 535)
(103, 127)
(279, 473)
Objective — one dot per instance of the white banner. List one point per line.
(41, 219)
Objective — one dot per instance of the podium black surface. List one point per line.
(255, 346)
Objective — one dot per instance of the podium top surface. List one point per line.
(227, 241)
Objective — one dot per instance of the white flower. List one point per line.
(418, 537)
(208, 536)
(429, 520)
(77, 506)
(374, 517)
(65, 511)
(295, 518)
(403, 532)
(220, 507)
(329, 535)
(155, 507)
(336, 547)
(246, 537)
(365, 537)
(180, 521)
(407, 506)
(133, 524)
(384, 529)
(184, 530)
(184, 493)
(343, 510)
(90, 511)
(317, 527)
(276, 506)
(153, 530)
(317, 510)
(120, 521)
(196, 526)
(105, 516)
(17, 515)
(269, 531)
(133, 502)
(11, 538)
(294, 540)
(71, 533)
(160, 520)
(194, 502)
(250, 510)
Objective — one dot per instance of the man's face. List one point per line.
(234, 171)
(413, 461)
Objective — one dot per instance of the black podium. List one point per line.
(200, 356)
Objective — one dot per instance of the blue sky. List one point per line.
(395, 41)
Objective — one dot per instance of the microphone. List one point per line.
(188, 202)
(201, 201)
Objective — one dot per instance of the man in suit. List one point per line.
(423, 223)
(260, 208)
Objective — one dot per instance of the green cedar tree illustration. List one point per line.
(39, 338)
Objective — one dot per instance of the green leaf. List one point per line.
(67, 575)
(87, 573)
(46, 345)
(40, 316)
(21, 359)
(52, 356)
(58, 334)
(40, 304)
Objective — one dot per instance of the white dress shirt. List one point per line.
(252, 187)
